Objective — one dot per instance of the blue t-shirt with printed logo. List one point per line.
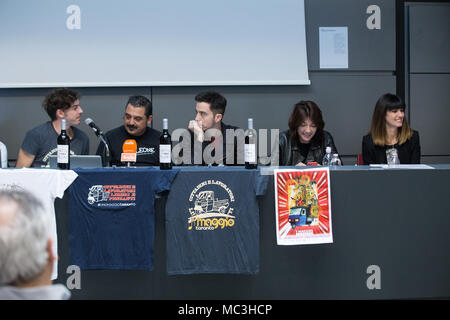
(111, 217)
(212, 221)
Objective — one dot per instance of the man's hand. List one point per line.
(196, 128)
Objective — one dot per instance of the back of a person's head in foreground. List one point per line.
(24, 237)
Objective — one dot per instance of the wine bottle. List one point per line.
(63, 148)
(165, 147)
(250, 147)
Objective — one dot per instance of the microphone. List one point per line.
(99, 134)
(129, 149)
(94, 127)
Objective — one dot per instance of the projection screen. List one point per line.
(86, 43)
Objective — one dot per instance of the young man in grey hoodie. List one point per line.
(26, 255)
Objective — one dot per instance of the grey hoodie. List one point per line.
(52, 292)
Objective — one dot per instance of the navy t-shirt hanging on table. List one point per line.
(111, 217)
(212, 221)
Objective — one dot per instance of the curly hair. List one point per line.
(61, 98)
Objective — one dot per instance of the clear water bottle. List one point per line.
(327, 157)
(395, 160)
(335, 161)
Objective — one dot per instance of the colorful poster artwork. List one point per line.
(303, 206)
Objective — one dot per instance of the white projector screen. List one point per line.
(94, 43)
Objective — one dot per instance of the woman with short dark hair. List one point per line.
(390, 134)
(306, 140)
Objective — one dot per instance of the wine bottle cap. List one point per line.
(165, 124)
(63, 124)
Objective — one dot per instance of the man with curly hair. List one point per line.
(41, 142)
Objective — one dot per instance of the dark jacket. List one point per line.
(408, 153)
(231, 146)
(290, 153)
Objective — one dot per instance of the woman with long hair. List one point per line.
(306, 140)
(390, 134)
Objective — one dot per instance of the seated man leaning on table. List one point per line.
(211, 140)
(41, 142)
(137, 117)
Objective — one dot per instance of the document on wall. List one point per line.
(303, 206)
(333, 47)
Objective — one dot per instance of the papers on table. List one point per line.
(401, 166)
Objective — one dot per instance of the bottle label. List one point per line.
(165, 152)
(63, 153)
(250, 153)
(392, 156)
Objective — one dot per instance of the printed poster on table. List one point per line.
(303, 206)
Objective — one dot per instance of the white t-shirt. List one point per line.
(46, 185)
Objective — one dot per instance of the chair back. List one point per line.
(3, 156)
(359, 160)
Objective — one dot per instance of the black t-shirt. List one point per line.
(212, 221)
(147, 146)
(304, 149)
(230, 150)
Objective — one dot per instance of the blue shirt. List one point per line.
(111, 217)
(41, 142)
(212, 221)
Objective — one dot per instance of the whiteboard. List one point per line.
(85, 43)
